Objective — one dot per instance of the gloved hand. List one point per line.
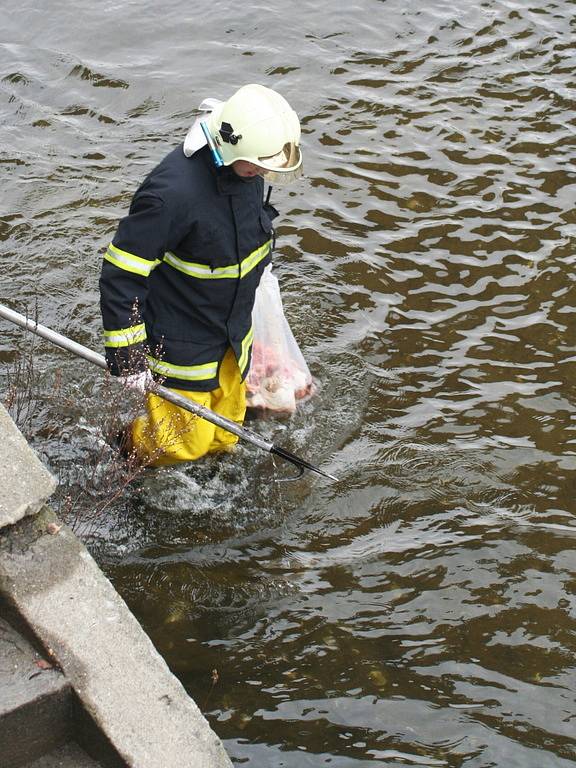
(138, 382)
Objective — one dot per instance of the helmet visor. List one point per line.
(284, 167)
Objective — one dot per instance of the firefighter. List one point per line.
(179, 278)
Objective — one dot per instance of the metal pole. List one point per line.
(168, 394)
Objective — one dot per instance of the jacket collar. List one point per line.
(229, 183)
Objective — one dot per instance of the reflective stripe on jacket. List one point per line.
(179, 278)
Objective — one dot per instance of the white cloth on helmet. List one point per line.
(195, 138)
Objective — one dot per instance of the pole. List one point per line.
(204, 413)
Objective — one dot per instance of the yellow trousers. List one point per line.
(167, 434)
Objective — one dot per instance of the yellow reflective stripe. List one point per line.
(184, 372)
(123, 337)
(246, 343)
(202, 271)
(254, 258)
(205, 272)
(129, 262)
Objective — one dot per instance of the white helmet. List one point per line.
(258, 125)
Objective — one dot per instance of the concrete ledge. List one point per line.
(33, 692)
(26, 483)
(120, 679)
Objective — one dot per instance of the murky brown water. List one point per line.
(420, 611)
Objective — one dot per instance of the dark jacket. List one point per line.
(179, 278)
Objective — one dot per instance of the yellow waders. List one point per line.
(167, 434)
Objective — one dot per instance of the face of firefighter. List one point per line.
(247, 170)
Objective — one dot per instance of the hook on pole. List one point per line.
(297, 461)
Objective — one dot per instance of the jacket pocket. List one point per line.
(265, 222)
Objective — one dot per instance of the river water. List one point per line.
(420, 611)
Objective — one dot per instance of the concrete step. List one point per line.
(29, 483)
(36, 702)
(121, 684)
(68, 756)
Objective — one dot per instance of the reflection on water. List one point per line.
(421, 610)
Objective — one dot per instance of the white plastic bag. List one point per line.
(278, 376)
